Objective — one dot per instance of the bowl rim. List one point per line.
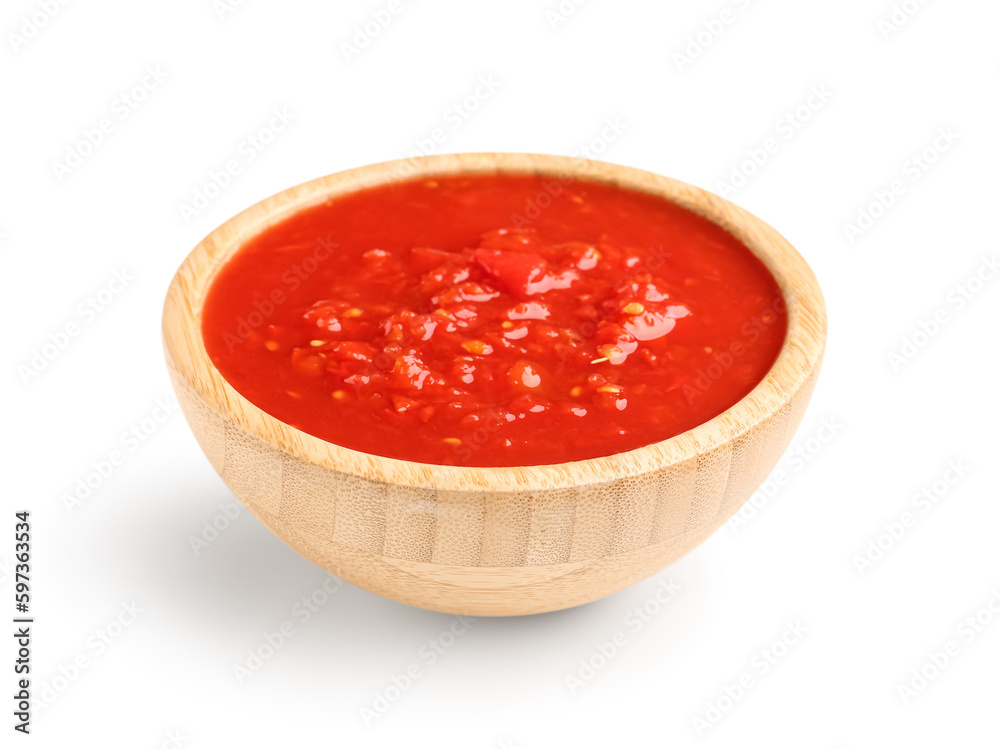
(798, 359)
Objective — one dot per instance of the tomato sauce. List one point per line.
(494, 320)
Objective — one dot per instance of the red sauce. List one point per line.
(494, 320)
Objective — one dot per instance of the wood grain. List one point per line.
(493, 541)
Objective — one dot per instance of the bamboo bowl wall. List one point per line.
(493, 541)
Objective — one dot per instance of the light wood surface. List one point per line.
(493, 541)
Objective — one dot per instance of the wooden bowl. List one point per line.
(493, 541)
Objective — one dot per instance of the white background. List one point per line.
(504, 683)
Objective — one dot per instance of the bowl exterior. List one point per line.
(491, 553)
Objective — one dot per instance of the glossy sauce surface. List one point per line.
(494, 320)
